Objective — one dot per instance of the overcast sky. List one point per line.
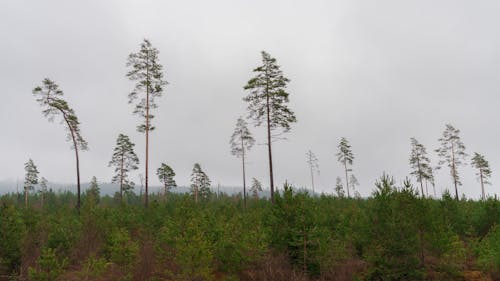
(375, 72)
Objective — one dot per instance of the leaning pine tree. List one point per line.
(124, 160)
(242, 141)
(49, 96)
(30, 179)
(452, 153)
(268, 103)
(166, 176)
(483, 171)
(147, 72)
(346, 157)
(420, 163)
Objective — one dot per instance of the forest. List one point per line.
(400, 232)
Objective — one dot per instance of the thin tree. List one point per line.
(200, 183)
(49, 96)
(452, 153)
(419, 163)
(43, 190)
(94, 192)
(268, 103)
(483, 171)
(312, 161)
(353, 181)
(124, 160)
(255, 188)
(241, 141)
(166, 175)
(346, 157)
(146, 71)
(30, 179)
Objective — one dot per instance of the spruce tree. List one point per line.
(420, 163)
(255, 188)
(49, 96)
(200, 183)
(147, 73)
(268, 103)
(241, 141)
(124, 160)
(346, 157)
(166, 176)
(483, 171)
(94, 192)
(312, 161)
(452, 153)
(30, 179)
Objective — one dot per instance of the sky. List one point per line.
(375, 72)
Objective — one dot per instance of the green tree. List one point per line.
(346, 157)
(49, 267)
(312, 161)
(49, 96)
(124, 160)
(483, 171)
(255, 188)
(420, 163)
(200, 183)
(241, 141)
(94, 192)
(268, 103)
(339, 188)
(452, 153)
(166, 176)
(147, 72)
(30, 179)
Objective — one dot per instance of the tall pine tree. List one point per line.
(30, 179)
(124, 160)
(49, 96)
(483, 171)
(200, 183)
(241, 142)
(166, 176)
(147, 73)
(346, 157)
(419, 163)
(452, 153)
(268, 103)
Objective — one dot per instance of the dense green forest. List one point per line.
(395, 234)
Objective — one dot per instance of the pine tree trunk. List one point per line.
(25, 197)
(420, 177)
(146, 198)
(453, 170)
(482, 184)
(269, 148)
(121, 180)
(312, 178)
(346, 179)
(75, 144)
(244, 176)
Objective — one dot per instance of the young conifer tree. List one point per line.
(339, 188)
(346, 158)
(483, 171)
(312, 161)
(452, 153)
(200, 183)
(255, 188)
(49, 96)
(419, 163)
(166, 176)
(268, 103)
(30, 179)
(124, 160)
(241, 142)
(147, 72)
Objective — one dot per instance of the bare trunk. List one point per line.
(420, 177)
(244, 176)
(271, 178)
(25, 197)
(312, 178)
(346, 179)
(75, 144)
(453, 170)
(121, 180)
(482, 184)
(146, 198)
